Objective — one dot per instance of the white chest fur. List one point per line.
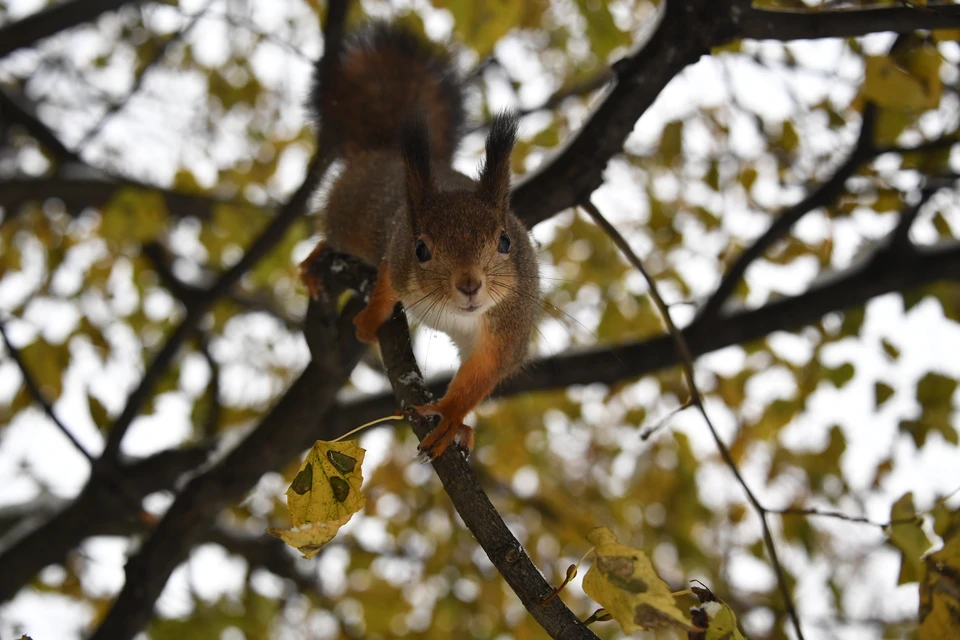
(463, 329)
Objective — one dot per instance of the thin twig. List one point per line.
(822, 196)
(38, 396)
(686, 364)
(138, 79)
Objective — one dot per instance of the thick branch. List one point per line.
(99, 509)
(686, 32)
(53, 20)
(288, 429)
(81, 191)
(760, 24)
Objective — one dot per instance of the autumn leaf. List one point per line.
(940, 592)
(323, 496)
(908, 536)
(623, 581)
(716, 615)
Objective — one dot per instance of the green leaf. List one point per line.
(841, 375)
(98, 413)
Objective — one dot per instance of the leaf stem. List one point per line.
(369, 424)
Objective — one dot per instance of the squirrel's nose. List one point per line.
(468, 285)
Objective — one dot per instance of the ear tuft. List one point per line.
(415, 149)
(495, 174)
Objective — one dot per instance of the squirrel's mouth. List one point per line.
(472, 308)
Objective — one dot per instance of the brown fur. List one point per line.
(392, 195)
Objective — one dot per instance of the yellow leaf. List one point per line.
(909, 538)
(323, 496)
(308, 539)
(893, 87)
(716, 615)
(623, 581)
(47, 364)
(133, 215)
(940, 594)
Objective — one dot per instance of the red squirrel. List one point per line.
(444, 245)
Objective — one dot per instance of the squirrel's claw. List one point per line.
(448, 432)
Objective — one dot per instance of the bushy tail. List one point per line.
(384, 75)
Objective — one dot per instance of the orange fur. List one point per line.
(473, 382)
(379, 309)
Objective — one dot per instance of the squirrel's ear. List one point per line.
(495, 174)
(415, 148)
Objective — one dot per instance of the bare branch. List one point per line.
(39, 397)
(158, 57)
(98, 510)
(762, 24)
(13, 109)
(43, 24)
(468, 497)
(687, 365)
(822, 196)
(687, 31)
(78, 190)
(274, 232)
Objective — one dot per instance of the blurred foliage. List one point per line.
(218, 114)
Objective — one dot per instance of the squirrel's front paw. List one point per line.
(367, 323)
(451, 430)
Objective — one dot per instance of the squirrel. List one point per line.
(446, 246)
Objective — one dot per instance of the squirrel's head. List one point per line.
(461, 242)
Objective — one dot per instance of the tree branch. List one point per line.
(99, 510)
(78, 190)
(822, 196)
(761, 24)
(260, 247)
(686, 33)
(287, 430)
(687, 366)
(139, 77)
(38, 396)
(468, 497)
(47, 22)
(13, 109)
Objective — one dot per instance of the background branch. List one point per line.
(822, 196)
(687, 366)
(52, 20)
(471, 502)
(762, 24)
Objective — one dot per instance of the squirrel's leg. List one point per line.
(312, 280)
(378, 309)
(473, 382)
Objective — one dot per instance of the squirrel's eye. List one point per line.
(423, 254)
(504, 245)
